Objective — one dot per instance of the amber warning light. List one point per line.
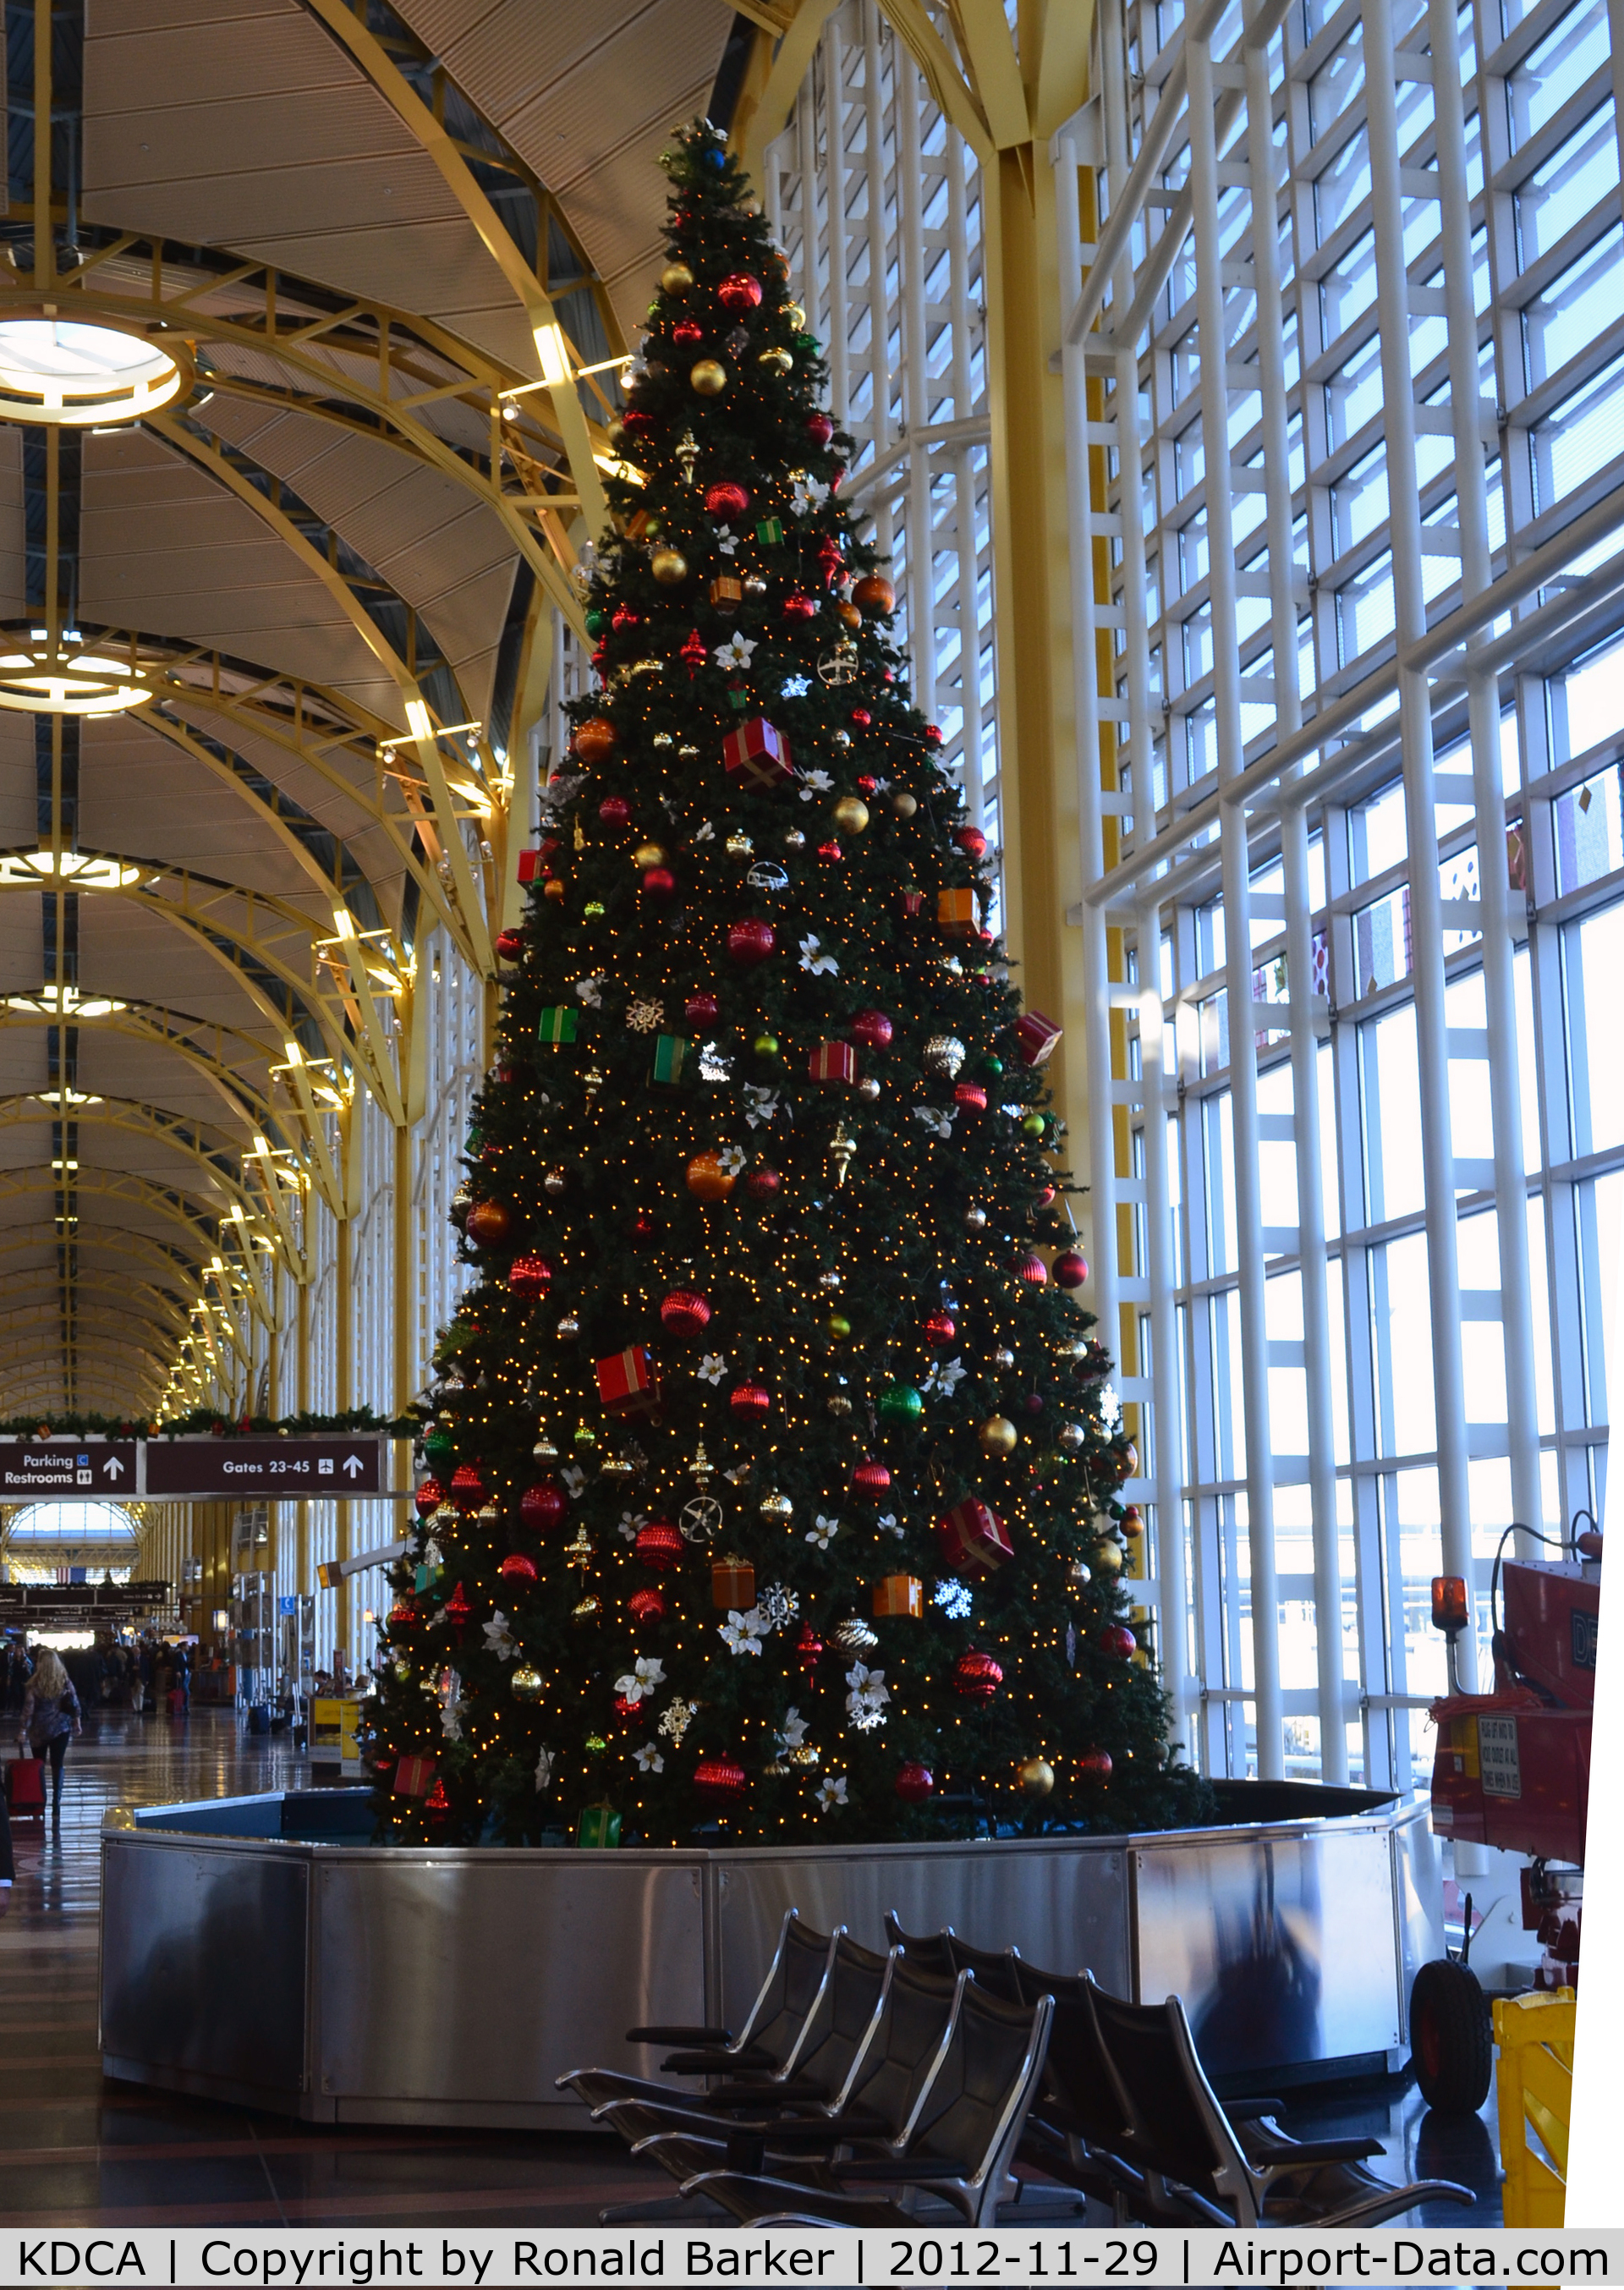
(1450, 1612)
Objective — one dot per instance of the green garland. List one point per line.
(204, 1420)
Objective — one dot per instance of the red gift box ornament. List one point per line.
(757, 756)
(833, 1061)
(542, 1506)
(659, 1544)
(976, 1676)
(629, 1381)
(467, 1489)
(1036, 1035)
(972, 1539)
(685, 1312)
(414, 1776)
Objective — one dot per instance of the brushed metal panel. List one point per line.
(470, 1977)
(202, 1958)
(1063, 1905)
(1283, 1947)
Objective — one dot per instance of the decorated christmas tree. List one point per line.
(774, 1475)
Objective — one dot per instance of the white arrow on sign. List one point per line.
(352, 1464)
(114, 1469)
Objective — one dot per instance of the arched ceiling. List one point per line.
(359, 227)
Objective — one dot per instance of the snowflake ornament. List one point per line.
(714, 1064)
(676, 1720)
(778, 1607)
(954, 1599)
(1110, 1407)
(646, 1017)
(795, 687)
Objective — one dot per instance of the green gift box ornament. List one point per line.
(599, 1829)
(671, 1055)
(770, 532)
(558, 1024)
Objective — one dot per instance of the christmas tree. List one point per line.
(775, 1477)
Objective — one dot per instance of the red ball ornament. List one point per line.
(808, 1649)
(721, 1779)
(726, 502)
(870, 1478)
(1045, 1195)
(874, 596)
(798, 607)
(647, 1606)
(428, 1497)
(686, 334)
(740, 293)
(940, 1330)
(468, 1487)
(700, 1011)
(915, 1783)
(489, 1223)
(660, 887)
(830, 853)
(511, 945)
(1070, 1269)
(1094, 1765)
(970, 839)
(751, 1401)
(932, 735)
(643, 1225)
(542, 1506)
(763, 1183)
(659, 1544)
(971, 1095)
(529, 1275)
(1119, 1640)
(594, 741)
(976, 1676)
(685, 1312)
(614, 811)
(873, 1029)
(820, 429)
(626, 1709)
(1030, 1268)
(750, 942)
(861, 716)
(516, 1569)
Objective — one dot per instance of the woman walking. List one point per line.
(50, 1714)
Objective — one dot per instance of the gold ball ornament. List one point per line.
(707, 1178)
(527, 1684)
(975, 1219)
(669, 566)
(1036, 1776)
(1108, 1558)
(775, 362)
(837, 1328)
(796, 317)
(1078, 1575)
(850, 814)
(903, 803)
(998, 1436)
(775, 1506)
(649, 854)
(1070, 1436)
(676, 278)
(709, 378)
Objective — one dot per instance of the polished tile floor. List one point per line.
(79, 2150)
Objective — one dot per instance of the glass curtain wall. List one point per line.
(876, 202)
(1344, 365)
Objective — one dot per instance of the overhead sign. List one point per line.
(297, 1468)
(66, 1466)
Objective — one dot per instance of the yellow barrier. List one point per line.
(1534, 2035)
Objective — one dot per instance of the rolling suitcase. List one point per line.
(25, 1785)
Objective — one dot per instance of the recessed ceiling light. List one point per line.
(61, 372)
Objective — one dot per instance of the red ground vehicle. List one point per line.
(1512, 1770)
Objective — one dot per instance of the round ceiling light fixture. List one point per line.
(64, 677)
(70, 373)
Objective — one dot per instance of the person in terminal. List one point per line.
(51, 1714)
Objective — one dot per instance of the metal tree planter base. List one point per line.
(345, 1981)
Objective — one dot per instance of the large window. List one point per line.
(1355, 876)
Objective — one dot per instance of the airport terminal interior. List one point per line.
(811, 1176)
